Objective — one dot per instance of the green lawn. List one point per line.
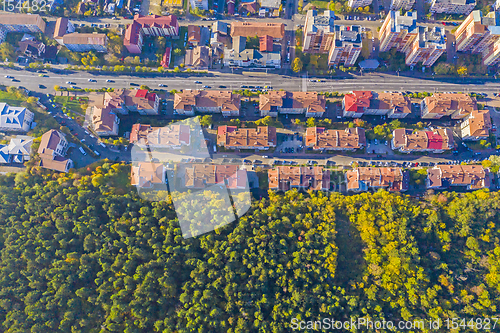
(78, 106)
(11, 98)
(320, 4)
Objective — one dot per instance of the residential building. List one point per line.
(252, 58)
(167, 56)
(188, 102)
(346, 46)
(472, 177)
(259, 29)
(359, 3)
(391, 104)
(249, 7)
(220, 34)
(230, 6)
(402, 4)
(435, 141)
(497, 5)
(151, 25)
(365, 178)
(428, 46)
(194, 34)
(200, 4)
(283, 102)
(260, 138)
(356, 103)
(459, 7)
(147, 174)
(52, 149)
(104, 121)
(80, 42)
(20, 23)
(15, 119)
(266, 44)
(439, 105)
(63, 27)
(270, 5)
(198, 57)
(284, 178)
(123, 101)
(32, 48)
(17, 151)
(480, 34)
(171, 136)
(200, 176)
(350, 139)
(476, 126)
(20, 148)
(398, 31)
(319, 32)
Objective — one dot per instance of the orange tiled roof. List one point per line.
(350, 138)
(225, 100)
(473, 176)
(285, 177)
(251, 29)
(231, 136)
(441, 103)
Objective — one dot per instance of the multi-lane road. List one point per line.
(379, 82)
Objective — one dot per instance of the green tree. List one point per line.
(206, 121)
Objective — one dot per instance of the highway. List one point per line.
(376, 82)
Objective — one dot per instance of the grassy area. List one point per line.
(320, 4)
(74, 104)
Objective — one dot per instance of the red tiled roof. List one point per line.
(357, 100)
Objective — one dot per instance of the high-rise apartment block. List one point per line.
(427, 47)
(318, 32)
(480, 34)
(398, 31)
(346, 47)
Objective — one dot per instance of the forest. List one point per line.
(82, 252)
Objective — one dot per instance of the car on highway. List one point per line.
(133, 84)
(41, 86)
(70, 83)
(222, 87)
(109, 80)
(9, 77)
(206, 87)
(162, 85)
(197, 82)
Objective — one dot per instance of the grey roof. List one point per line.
(403, 22)
(323, 22)
(20, 145)
(270, 3)
(220, 27)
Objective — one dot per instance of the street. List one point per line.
(369, 81)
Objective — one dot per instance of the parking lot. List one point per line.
(379, 147)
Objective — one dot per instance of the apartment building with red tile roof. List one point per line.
(261, 138)
(355, 103)
(473, 177)
(200, 176)
(122, 101)
(104, 121)
(365, 178)
(147, 174)
(284, 178)
(476, 126)
(436, 141)
(350, 139)
(392, 105)
(151, 25)
(283, 102)
(171, 136)
(439, 105)
(259, 29)
(188, 102)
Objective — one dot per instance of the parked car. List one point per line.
(82, 151)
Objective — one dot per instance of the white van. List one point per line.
(97, 153)
(83, 151)
(102, 144)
